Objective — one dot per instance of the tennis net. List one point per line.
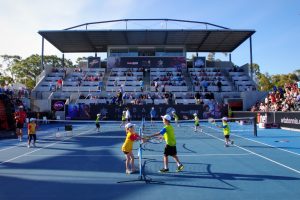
(240, 126)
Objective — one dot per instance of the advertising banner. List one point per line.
(94, 62)
(58, 104)
(147, 62)
(113, 112)
(199, 62)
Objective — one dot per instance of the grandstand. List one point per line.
(146, 67)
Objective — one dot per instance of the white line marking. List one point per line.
(264, 157)
(24, 143)
(267, 144)
(51, 144)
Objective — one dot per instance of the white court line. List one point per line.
(267, 144)
(49, 145)
(24, 143)
(264, 157)
(150, 155)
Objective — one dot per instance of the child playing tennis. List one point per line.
(131, 137)
(170, 149)
(98, 123)
(197, 124)
(31, 127)
(226, 131)
(176, 118)
(123, 119)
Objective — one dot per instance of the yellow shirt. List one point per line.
(128, 144)
(226, 129)
(31, 128)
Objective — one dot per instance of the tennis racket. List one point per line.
(154, 140)
(211, 121)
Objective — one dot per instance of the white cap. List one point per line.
(32, 119)
(20, 106)
(173, 111)
(195, 114)
(152, 107)
(98, 114)
(224, 118)
(167, 117)
(129, 125)
(124, 111)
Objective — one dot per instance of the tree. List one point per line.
(264, 82)
(26, 70)
(56, 62)
(211, 56)
(79, 59)
(255, 69)
(7, 62)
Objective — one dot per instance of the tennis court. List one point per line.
(88, 165)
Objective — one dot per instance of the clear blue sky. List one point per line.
(275, 43)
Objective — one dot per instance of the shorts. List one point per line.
(19, 125)
(197, 124)
(170, 150)
(97, 125)
(226, 136)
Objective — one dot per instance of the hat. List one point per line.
(124, 111)
(32, 119)
(224, 118)
(195, 114)
(20, 106)
(173, 111)
(166, 117)
(98, 114)
(129, 125)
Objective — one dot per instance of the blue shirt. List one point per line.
(152, 113)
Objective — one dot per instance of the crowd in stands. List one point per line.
(15, 94)
(281, 99)
(236, 69)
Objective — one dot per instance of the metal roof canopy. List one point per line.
(70, 41)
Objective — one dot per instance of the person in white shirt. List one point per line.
(127, 115)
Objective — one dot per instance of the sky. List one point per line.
(276, 22)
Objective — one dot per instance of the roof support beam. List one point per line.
(166, 37)
(87, 38)
(203, 40)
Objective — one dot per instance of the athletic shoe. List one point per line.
(179, 168)
(164, 170)
(128, 172)
(28, 146)
(232, 142)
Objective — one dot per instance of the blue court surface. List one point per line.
(84, 164)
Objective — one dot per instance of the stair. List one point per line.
(105, 78)
(188, 80)
(147, 81)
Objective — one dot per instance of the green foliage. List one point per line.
(266, 81)
(211, 56)
(26, 70)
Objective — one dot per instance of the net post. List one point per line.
(254, 125)
(140, 156)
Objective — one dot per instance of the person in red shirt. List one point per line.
(20, 117)
(59, 83)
